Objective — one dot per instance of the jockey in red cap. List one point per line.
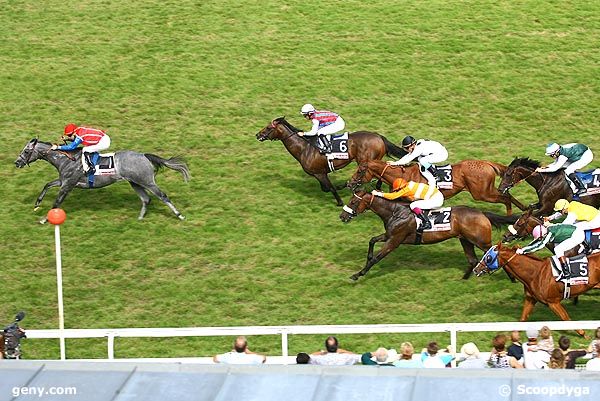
(92, 139)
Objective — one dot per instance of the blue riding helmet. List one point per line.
(490, 259)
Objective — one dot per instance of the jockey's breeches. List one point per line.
(436, 200)
(586, 158)
(577, 238)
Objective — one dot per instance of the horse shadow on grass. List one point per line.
(307, 186)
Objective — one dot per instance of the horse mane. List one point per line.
(282, 120)
(525, 162)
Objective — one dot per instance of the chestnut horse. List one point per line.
(549, 187)
(472, 227)
(536, 275)
(362, 146)
(476, 176)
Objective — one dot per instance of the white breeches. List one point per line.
(333, 128)
(437, 200)
(103, 144)
(589, 225)
(577, 238)
(586, 159)
(437, 157)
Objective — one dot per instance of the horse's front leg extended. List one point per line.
(327, 186)
(40, 197)
(372, 242)
(62, 194)
(528, 305)
(388, 247)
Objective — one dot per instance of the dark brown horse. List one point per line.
(523, 227)
(472, 227)
(536, 276)
(362, 146)
(549, 187)
(475, 176)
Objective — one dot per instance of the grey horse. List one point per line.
(137, 168)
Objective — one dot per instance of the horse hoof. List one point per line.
(181, 217)
(35, 209)
(354, 277)
(43, 221)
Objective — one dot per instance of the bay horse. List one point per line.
(362, 146)
(472, 227)
(549, 187)
(475, 176)
(137, 168)
(536, 275)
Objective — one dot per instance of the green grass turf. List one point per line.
(261, 244)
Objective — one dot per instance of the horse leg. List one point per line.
(561, 312)
(469, 250)
(518, 204)
(40, 197)
(62, 194)
(391, 244)
(327, 186)
(528, 305)
(377, 238)
(144, 197)
(163, 197)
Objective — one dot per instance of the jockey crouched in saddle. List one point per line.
(563, 236)
(585, 217)
(571, 157)
(426, 153)
(423, 198)
(92, 139)
(324, 123)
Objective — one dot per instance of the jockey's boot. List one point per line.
(566, 272)
(90, 163)
(430, 175)
(425, 223)
(578, 183)
(587, 249)
(433, 170)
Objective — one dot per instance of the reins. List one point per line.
(274, 125)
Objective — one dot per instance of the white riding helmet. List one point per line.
(552, 148)
(307, 108)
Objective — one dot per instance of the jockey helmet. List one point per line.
(407, 141)
(307, 109)
(70, 129)
(399, 183)
(552, 148)
(539, 231)
(561, 204)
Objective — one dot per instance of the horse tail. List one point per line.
(391, 149)
(498, 221)
(174, 163)
(498, 168)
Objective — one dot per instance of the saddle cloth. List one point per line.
(444, 176)
(104, 163)
(339, 146)
(439, 218)
(591, 180)
(592, 237)
(578, 265)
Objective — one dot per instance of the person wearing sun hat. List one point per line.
(472, 359)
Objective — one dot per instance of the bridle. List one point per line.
(28, 159)
(275, 123)
(530, 175)
(488, 270)
(351, 211)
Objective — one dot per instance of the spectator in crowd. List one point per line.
(594, 363)
(472, 359)
(534, 358)
(546, 342)
(595, 341)
(557, 359)
(381, 357)
(431, 357)
(240, 355)
(516, 348)
(570, 355)
(406, 357)
(302, 358)
(499, 358)
(333, 355)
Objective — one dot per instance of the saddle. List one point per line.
(590, 179)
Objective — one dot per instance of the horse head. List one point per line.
(359, 202)
(278, 128)
(518, 170)
(361, 176)
(522, 227)
(29, 153)
(489, 263)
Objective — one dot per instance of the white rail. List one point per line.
(284, 331)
